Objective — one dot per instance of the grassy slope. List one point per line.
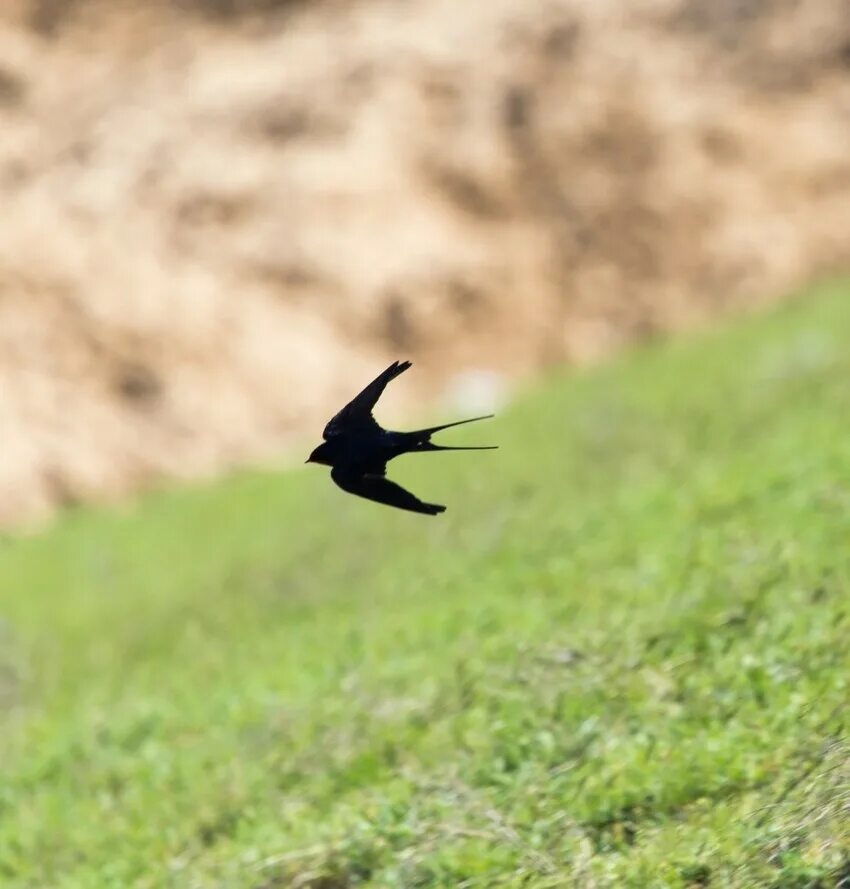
(620, 658)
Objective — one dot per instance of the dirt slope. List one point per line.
(219, 218)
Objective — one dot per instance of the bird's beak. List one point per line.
(308, 460)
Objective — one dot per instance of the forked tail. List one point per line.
(424, 442)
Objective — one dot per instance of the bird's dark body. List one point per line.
(357, 449)
(364, 452)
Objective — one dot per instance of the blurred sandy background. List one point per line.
(220, 217)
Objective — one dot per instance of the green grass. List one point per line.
(620, 659)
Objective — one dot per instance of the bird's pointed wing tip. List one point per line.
(376, 487)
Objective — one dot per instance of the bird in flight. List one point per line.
(357, 449)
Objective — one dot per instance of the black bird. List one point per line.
(357, 449)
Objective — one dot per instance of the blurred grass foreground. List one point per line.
(620, 659)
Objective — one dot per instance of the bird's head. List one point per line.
(320, 455)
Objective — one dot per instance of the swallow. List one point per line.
(358, 449)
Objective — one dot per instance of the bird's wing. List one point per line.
(357, 414)
(376, 487)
